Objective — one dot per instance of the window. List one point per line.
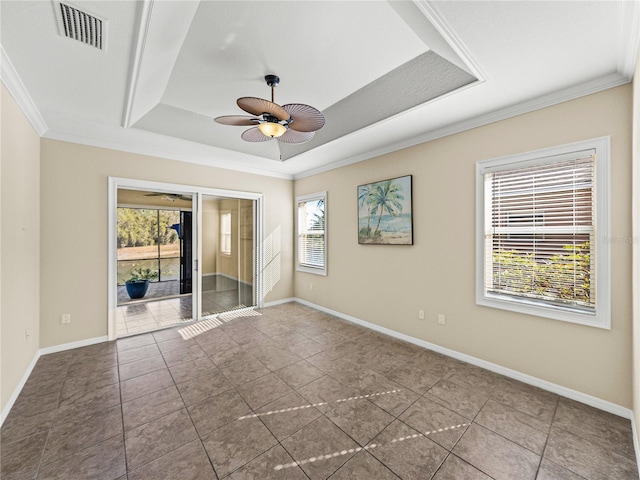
(225, 233)
(542, 229)
(311, 230)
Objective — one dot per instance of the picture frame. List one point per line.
(385, 212)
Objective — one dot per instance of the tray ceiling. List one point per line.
(386, 75)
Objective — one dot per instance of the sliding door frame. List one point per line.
(116, 183)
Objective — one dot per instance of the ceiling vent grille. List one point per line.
(81, 26)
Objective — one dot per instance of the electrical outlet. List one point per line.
(311, 286)
(65, 318)
(26, 335)
(421, 314)
(441, 319)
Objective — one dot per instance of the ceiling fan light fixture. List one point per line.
(272, 129)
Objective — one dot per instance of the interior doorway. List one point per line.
(197, 249)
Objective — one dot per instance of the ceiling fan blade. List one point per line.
(258, 106)
(305, 117)
(237, 120)
(254, 135)
(293, 136)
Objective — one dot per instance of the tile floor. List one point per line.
(220, 295)
(293, 393)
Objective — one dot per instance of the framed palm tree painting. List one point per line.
(384, 212)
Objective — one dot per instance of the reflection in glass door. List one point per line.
(226, 266)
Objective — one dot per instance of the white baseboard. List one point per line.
(7, 408)
(507, 372)
(636, 444)
(280, 302)
(69, 346)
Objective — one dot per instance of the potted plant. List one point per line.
(138, 282)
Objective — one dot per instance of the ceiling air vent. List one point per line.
(81, 26)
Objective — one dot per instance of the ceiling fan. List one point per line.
(291, 123)
(169, 196)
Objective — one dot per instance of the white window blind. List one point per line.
(225, 233)
(311, 244)
(540, 238)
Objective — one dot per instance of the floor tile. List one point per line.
(182, 355)
(363, 465)
(406, 452)
(157, 438)
(89, 382)
(197, 389)
(359, 378)
(102, 461)
(550, 471)
(176, 344)
(359, 418)
(84, 366)
(413, 378)
(244, 371)
(87, 403)
(145, 384)
(192, 369)
(274, 464)
(465, 401)
(83, 432)
(516, 426)
(35, 403)
(528, 399)
(320, 448)
(586, 458)
(263, 390)
(134, 342)
(299, 374)
(325, 392)
(454, 468)
(16, 427)
(287, 415)
(141, 367)
(217, 411)
(600, 427)
(496, 456)
(22, 457)
(138, 353)
(189, 462)
(306, 348)
(390, 396)
(436, 422)
(149, 407)
(235, 444)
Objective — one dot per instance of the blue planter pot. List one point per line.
(137, 288)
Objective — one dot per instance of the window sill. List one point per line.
(312, 270)
(598, 319)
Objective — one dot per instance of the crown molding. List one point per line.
(629, 38)
(143, 29)
(18, 91)
(432, 14)
(561, 96)
(182, 156)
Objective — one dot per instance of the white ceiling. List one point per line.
(386, 74)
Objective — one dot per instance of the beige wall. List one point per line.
(19, 244)
(387, 285)
(237, 265)
(210, 235)
(74, 180)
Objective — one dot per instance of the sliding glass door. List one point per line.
(204, 242)
(226, 268)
